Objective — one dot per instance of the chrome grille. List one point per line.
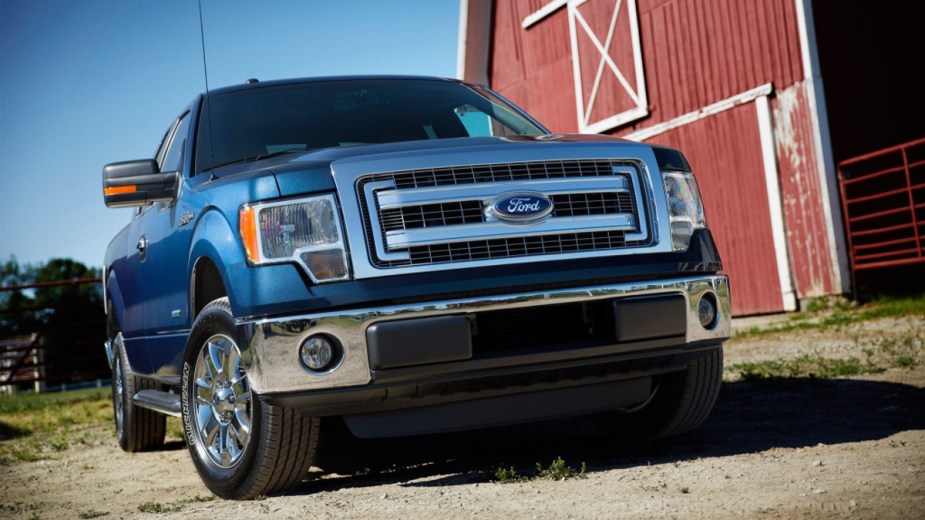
(435, 216)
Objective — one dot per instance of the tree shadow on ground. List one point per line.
(750, 416)
(8, 431)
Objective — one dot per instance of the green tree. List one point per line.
(69, 318)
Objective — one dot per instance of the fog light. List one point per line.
(319, 354)
(706, 310)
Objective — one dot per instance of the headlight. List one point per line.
(685, 209)
(306, 231)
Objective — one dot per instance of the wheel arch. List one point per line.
(214, 246)
(114, 304)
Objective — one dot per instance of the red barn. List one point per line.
(738, 86)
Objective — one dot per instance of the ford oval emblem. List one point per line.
(521, 207)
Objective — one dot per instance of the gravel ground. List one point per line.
(779, 448)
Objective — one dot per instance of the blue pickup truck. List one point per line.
(410, 255)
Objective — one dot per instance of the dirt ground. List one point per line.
(773, 448)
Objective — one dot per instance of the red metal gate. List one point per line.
(883, 200)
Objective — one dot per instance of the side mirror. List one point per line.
(135, 183)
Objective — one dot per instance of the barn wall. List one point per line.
(801, 193)
(739, 225)
(696, 53)
(533, 68)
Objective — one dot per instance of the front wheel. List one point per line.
(680, 402)
(241, 446)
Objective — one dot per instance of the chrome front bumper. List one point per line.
(271, 346)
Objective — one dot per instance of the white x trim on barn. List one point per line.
(606, 62)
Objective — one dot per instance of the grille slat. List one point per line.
(463, 212)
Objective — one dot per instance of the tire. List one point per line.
(680, 402)
(241, 446)
(137, 429)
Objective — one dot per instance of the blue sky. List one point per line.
(85, 83)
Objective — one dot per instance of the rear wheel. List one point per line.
(680, 402)
(241, 445)
(137, 429)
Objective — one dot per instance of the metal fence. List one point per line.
(883, 200)
(62, 346)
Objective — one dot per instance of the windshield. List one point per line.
(256, 123)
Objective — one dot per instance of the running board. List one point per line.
(159, 401)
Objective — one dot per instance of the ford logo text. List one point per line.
(521, 207)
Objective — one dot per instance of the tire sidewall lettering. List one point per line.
(185, 404)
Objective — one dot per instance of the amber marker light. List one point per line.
(119, 190)
(248, 225)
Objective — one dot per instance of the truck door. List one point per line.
(167, 234)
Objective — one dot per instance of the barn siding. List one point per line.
(739, 224)
(533, 68)
(802, 194)
(696, 53)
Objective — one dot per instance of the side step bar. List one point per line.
(159, 401)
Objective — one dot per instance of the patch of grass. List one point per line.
(48, 412)
(158, 507)
(37, 401)
(92, 514)
(559, 470)
(175, 428)
(173, 507)
(556, 470)
(823, 314)
(906, 362)
(33, 426)
(806, 365)
(25, 452)
(506, 475)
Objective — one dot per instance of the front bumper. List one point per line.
(270, 347)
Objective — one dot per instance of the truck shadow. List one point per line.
(750, 416)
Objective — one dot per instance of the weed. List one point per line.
(559, 470)
(685, 490)
(155, 507)
(172, 507)
(816, 305)
(25, 453)
(905, 362)
(507, 475)
(92, 514)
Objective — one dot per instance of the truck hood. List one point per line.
(313, 171)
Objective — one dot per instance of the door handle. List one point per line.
(142, 247)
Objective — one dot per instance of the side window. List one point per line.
(173, 158)
(161, 148)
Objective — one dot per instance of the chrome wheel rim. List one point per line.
(222, 399)
(118, 393)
